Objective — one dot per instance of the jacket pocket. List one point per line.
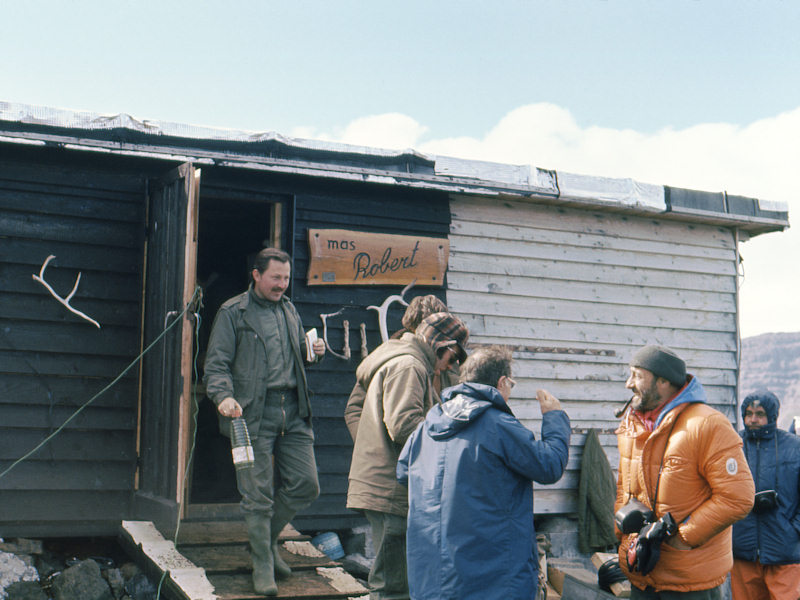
(243, 390)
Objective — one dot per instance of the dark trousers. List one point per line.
(290, 440)
(388, 578)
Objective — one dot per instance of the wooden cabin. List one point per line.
(574, 272)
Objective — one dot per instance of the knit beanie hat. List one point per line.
(661, 362)
(444, 330)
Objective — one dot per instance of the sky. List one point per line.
(701, 94)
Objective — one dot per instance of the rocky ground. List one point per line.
(99, 569)
(74, 569)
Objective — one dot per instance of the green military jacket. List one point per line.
(236, 360)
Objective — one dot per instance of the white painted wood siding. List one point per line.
(581, 290)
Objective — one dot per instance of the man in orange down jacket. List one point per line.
(683, 461)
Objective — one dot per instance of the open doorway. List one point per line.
(231, 232)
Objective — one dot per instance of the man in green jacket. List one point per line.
(395, 385)
(255, 367)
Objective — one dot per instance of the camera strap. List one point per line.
(660, 469)
(777, 462)
(776, 459)
(661, 466)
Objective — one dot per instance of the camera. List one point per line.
(633, 516)
(765, 501)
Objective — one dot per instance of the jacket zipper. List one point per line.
(283, 413)
(758, 517)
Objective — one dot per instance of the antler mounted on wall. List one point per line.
(64, 301)
(346, 324)
(384, 308)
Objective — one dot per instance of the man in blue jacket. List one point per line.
(469, 469)
(766, 543)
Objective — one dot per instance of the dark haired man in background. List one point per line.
(766, 543)
(255, 367)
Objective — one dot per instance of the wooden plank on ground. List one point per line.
(224, 532)
(184, 580)
(557, 571)
(304, 584)
(213, 563)
(236, 558)
(577, 588)
(552, 594)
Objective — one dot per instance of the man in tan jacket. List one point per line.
(395, 385)
(682, 460)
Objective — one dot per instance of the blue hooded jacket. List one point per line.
(772, 538)
(469, 469)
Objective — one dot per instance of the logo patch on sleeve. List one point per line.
(732, 467)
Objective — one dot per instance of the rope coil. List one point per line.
(609, 573)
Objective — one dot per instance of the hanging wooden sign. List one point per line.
(342, 257)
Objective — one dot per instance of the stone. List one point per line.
(357, 565)
(139, 587)
(22, 546)
(129, 570)
(562, 534)
(26, 590)
(47, 564)
(82, 581)
(358, 541)
(115, 581)
(12, 570)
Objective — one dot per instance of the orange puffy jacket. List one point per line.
(705, 483)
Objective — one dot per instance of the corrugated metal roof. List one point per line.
(270, 151)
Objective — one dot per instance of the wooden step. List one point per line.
(211, 562)
(236, 558)
(334, 582)
(225, 532)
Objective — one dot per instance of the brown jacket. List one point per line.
(392, 395)
(705, 483)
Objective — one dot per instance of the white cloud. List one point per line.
(392, 131)
(758, 160)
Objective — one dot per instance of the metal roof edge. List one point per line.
(304, 167)
(25, 124)
(90, 121)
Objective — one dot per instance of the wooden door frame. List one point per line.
(163, 426)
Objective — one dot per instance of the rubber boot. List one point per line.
(281, 515)
(258, 531)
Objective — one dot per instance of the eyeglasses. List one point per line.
(511, 382)
(453, 357)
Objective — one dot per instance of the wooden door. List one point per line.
(166, 369)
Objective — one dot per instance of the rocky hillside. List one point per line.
(772, 361)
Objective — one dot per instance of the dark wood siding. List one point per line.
(363, 208)
(89, 213)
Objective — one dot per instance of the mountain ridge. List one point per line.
(772, 361)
